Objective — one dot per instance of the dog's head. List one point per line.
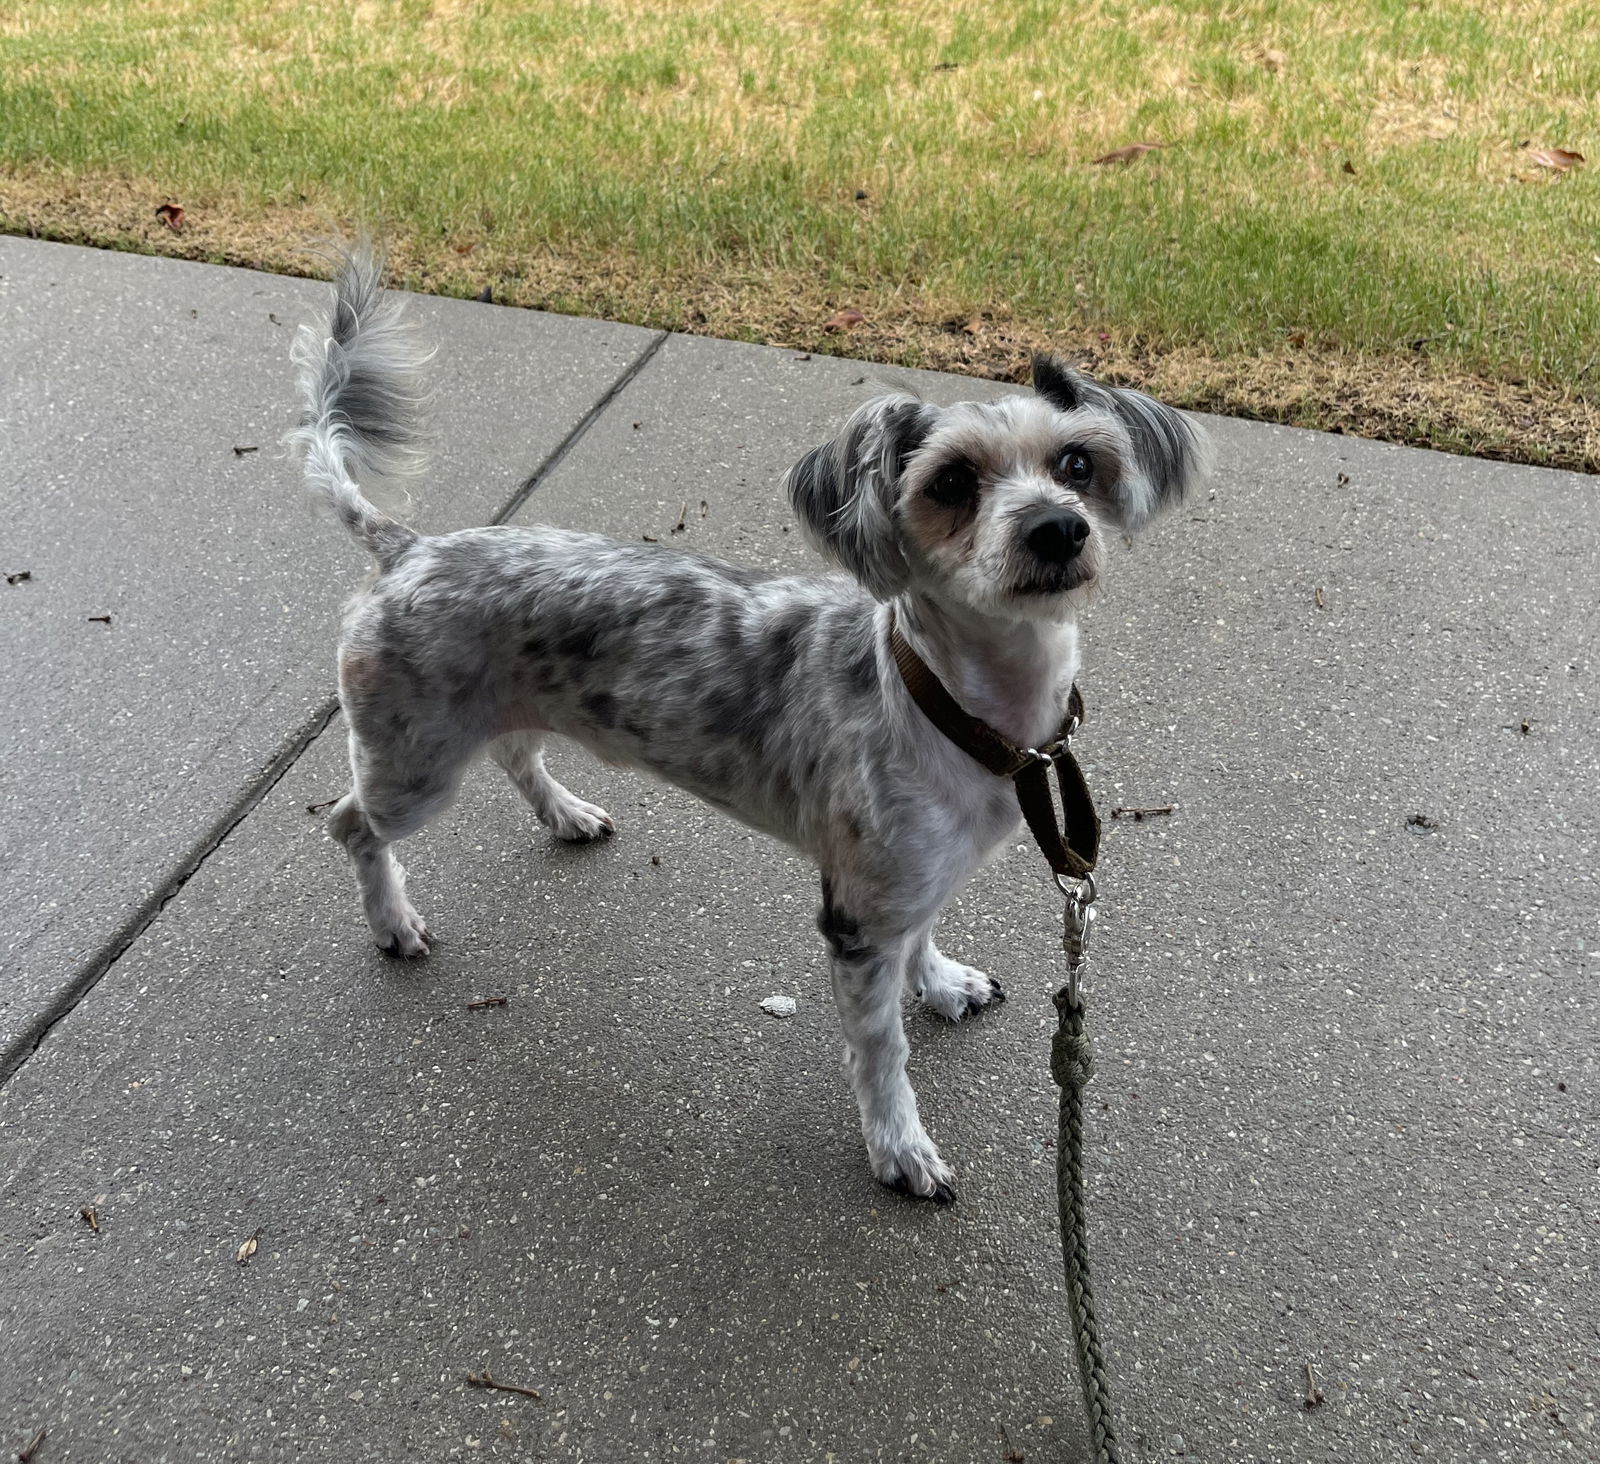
(1008, 507)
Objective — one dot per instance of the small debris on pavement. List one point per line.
(25, 1456)
(1137, 814)
(655, 859)
(487, 1001)
(18, 576)
(90, 1217)
(1421, 822)
(648, 539)
(318, 807)
(248, 1249)
(683, 515)
(100, 620)
(487, 1379)
(1011, 1453)
(1319, 598)
(1313, 1392)
(241, 451)
(778, 1006)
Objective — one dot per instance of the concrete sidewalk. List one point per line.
(1347, 1102)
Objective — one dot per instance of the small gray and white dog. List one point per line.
(983, 528)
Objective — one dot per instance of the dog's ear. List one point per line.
(844, 492)
(1056, 382)
(1171, 453)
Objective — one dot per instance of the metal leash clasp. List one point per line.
(1079, 927)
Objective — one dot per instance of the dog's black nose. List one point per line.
(1056, 535)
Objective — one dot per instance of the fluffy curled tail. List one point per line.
(363, 402)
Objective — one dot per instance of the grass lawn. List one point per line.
(1349, 223)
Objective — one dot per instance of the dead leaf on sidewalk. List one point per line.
(844, 320)
(171, 214)
(18, 576)
(248, 1249)
(90, 1217)
(1128, 153)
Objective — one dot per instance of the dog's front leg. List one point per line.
(869, 971)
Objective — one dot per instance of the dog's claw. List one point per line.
(942, 1193)
(976, 1003)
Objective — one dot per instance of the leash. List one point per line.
(1071, 845)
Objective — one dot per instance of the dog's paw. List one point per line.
(577, 822)
(918, 1173)
(955, 991)
(401, 932)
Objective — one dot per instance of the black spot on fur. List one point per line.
(534, 646)
(784, 634)
(579, 645)
(841, 931)
(601, 707)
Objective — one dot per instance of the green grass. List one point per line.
(694, 162)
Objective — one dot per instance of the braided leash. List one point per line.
(1071, 851)
(1072, 1065)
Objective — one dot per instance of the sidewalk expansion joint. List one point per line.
(576, 435)
(21, 1048)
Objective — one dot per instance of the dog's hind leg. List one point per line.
(568, 817)
(394, 796)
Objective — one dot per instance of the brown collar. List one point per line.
(1071, 856)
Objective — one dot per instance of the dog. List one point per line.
(981, 528)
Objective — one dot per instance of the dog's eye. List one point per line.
(953, 485)
(1074, 466)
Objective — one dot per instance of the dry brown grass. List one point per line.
(1398, 398)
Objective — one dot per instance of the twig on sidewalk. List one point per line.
(1313, 1392)
(1136, 814)
(487, 1001)
(487, 1379)
(90, 1217)
(318, 807)
(24, 1456)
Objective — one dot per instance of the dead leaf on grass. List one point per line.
(1348, 167)
(844, 320)
(171, 214)
(1556, 159)
(1127, 153)
(1271, 58)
